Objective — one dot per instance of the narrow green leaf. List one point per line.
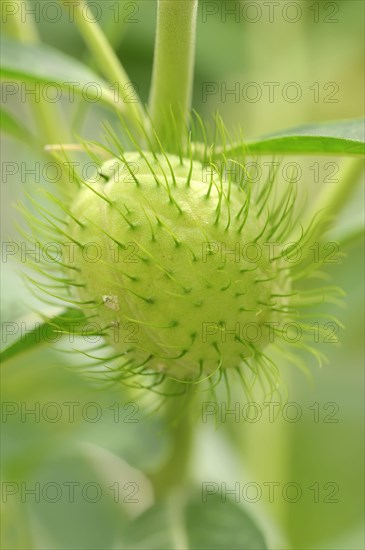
(12, 127)
(342, 138)
(43, 64)
(45, 331)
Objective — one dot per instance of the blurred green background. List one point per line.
(322, 54)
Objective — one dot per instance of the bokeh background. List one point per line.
(322, 54)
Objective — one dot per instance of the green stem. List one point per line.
(173, 68)
(48, 120)
(180, 422)
(108, 62)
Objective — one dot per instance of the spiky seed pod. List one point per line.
(181, 264)
(182, 267)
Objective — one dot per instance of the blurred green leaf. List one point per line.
(344, 137)
(46, 65)
(11, 536)
(14, 128)
(45, 331)
(83, 518)
(212, 525)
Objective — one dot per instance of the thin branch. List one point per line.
(107, 61)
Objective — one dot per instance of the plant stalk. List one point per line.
(108, 62)
(173, 70)
(179, 417)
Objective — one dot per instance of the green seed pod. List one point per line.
(182, 280)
